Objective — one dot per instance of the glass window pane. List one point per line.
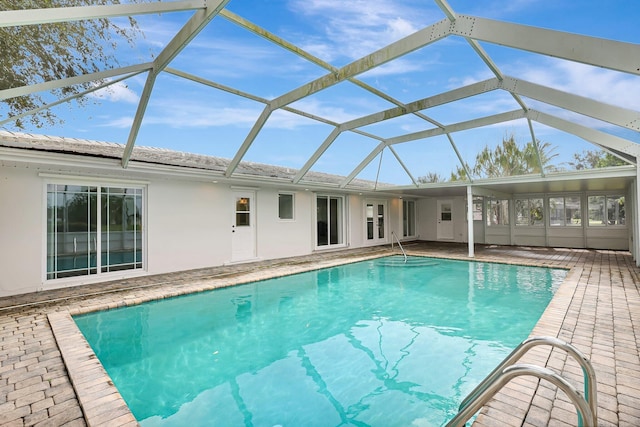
(322, 217)
(497, 212)
(573, 214)
(556, 211)
(242, 204)
(536, 212)
(71, 226)
(334, 221)
(369, 214)
(285, 206)
(522, 212)
(615, 210)
(477, 208)
(380, 221)
(243, 219)
(596, 211)
(73, 230)
(121, 241)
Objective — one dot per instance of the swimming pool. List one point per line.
(370, 343)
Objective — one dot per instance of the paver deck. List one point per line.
(50, 377)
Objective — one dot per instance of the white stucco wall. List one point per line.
(189, 218)
(284, 238)
(188, 225)
(187, 222)
(21, 230)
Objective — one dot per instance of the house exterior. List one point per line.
(71, 215)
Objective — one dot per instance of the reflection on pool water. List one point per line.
(376, 343)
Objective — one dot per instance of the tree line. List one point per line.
(511, 159)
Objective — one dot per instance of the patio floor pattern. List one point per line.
(50, 377)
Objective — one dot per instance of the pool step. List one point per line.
(398, 261)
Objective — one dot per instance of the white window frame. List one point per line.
(564, 215)
(607, 197)
(342, 225)
(528, 199)
(53, 179)
(488, 211)
(293, 206)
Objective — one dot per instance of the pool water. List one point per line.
(374, 343)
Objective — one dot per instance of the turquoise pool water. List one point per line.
(375, 343)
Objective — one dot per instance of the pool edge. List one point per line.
(99, 399)
(102, 403)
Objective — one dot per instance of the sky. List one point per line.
(186, 116)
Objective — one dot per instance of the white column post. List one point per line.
(470, 221)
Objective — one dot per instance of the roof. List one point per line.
(159, 156)
(405, 131)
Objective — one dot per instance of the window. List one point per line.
(330, 220)
(606, 210)
(565, 211)
(497, 212)
(478, 202)
(84, 221)
(285, 206)
(529, 212)
(408, 218)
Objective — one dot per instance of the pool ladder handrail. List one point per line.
(393, 234)
(586, 407)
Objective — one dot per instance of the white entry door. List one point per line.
(445, 220)
(243, 236)
(375, 215)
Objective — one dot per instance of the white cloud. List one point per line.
(119, 123)
(330, 112)
(399, 66)
(182, 113)
(117, 92)
(355, 28)
(606, 86)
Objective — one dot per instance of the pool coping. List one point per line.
(102, 403)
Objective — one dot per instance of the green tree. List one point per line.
(39, 53)
(430, 177)
(509, 159)
(595, 159)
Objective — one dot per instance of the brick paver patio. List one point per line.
(50, 377)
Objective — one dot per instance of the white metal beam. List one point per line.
(56, 84)
(372, 155)
(457, 127)
(14, 18)
(67, 99)
(243, 94)
(194, 25)
(422, 104)
(601, 139)
(257, 127)
(610, 54)
(403, 165)
(399, 48)
(319, 152)
(598, 110)
(408, 44)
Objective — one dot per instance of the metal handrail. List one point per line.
(582, 407)
(393, 234)
(587, 370)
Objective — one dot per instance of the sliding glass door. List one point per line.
(84, 221)
(329, 220)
